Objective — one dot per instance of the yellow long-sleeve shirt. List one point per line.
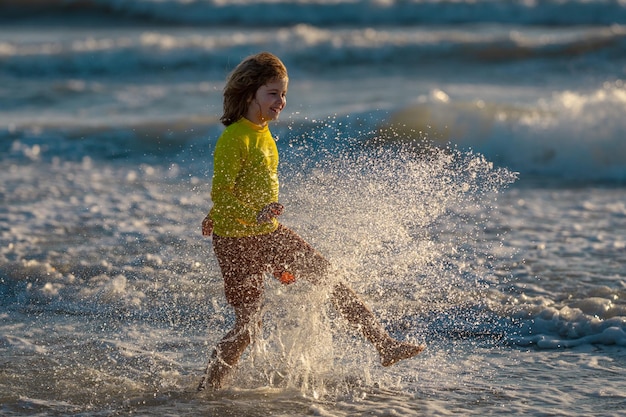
(245, 179)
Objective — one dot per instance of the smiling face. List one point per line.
(270, 99)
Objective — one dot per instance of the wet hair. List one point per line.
(243, 82)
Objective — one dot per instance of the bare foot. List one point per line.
(214, 376)
(397, 351)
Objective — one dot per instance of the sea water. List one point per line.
(461, 163)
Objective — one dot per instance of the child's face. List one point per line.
(269, 100)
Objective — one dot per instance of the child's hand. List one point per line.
(269, 212)
(207, 226)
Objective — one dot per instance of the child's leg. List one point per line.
(356, 313)
(291, 251)
(241, 268)
(228, 351)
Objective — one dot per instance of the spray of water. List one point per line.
(404, 226)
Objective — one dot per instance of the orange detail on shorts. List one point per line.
(287, 278)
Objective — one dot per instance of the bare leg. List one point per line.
(228, 351)
(357, 314)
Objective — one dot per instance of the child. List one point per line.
(248, 241)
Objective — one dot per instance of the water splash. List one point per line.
(405, 227)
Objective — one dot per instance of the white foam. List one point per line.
(571, 134)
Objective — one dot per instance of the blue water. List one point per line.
(462, 164)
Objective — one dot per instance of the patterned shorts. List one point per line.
(245, 260)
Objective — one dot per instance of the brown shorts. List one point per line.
(245, 260)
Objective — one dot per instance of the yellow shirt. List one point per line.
(245, 179)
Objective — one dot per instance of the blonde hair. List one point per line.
(243, 82)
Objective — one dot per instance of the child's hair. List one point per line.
(252, 73)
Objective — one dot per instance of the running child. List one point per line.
(248, 240)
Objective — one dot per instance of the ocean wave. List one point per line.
(327, 13)
(569, 135)
(310, 48)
